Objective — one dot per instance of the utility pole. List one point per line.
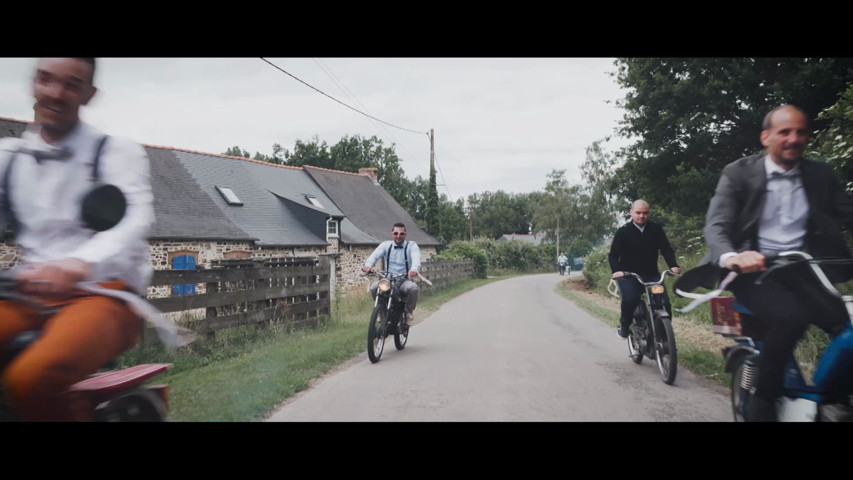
(558, 236)
(432, 223)
(431, 151)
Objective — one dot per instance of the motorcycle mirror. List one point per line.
(104, 205)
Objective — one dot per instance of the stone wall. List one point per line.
(348, 268)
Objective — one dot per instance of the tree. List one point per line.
(496, 213)
(432, 221)
(236, 151)
(835, 143)
(599, 202)
(689, 117)
(314, 153)
(452, 221)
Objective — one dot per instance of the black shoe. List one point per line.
(622, 333)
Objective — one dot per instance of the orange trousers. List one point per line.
(82, 337)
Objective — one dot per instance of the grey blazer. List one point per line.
(731, 224)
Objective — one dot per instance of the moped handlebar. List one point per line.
(775, 262)
(612, 287)
(9, 290)
(394, 276)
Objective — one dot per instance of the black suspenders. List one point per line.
(405, 255)
(10, 222)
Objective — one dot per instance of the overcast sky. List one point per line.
(498, 123)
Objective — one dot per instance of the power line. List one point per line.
(356, 110)
(442, 178)
(335, 99)
(352, 97)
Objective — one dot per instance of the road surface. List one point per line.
(510, 351)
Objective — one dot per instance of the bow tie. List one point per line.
(398, 246)
(790, 174)
(46, 152)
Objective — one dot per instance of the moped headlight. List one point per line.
(657, 289)
(384, 285)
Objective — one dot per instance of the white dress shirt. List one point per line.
(397, 262)
(782, 225)
(46, 198)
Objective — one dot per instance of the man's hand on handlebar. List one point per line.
(746, 262)
(59, 277)
(675, 270)
(617, 275)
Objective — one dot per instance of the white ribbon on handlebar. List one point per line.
(612, 287)
(170, 334)
(704, 297)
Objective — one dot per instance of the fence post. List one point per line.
(210, 312)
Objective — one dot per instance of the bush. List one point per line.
(460, 250)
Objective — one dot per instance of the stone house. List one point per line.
(212, 207)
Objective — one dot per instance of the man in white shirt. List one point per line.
(563, 262)
(764, 204)
(401, 256)
(50, 170)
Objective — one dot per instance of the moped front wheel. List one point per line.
(401, 336)
(739, 394)
(665, 352)
(401, 333)
(376, 333)
(635, 344)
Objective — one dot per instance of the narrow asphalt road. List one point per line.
(510, 351)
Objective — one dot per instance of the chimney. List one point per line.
(371, 172)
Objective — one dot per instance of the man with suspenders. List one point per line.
(400, 256)
(46, 175)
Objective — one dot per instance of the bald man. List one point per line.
(635, 248)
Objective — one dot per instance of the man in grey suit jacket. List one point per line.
(767, 203)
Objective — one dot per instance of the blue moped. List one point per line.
(827, 397)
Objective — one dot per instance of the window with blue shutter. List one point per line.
(183, 262)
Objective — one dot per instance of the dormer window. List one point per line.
(229, 196)
(314, 201)
(331, 228)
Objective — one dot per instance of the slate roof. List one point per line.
(12, 128)
(370, 209)
(275, 209)
(182, 209)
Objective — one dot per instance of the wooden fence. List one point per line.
(447, 271)
(244, 292)
(254, 292)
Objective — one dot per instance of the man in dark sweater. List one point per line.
(635, 249)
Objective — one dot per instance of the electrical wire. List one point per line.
(357, 110)
(335, 99)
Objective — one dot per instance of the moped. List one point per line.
(388, 316)
(827, 397)
(113, 395)
(651, 333)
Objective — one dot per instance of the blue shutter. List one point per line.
(183, 262)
